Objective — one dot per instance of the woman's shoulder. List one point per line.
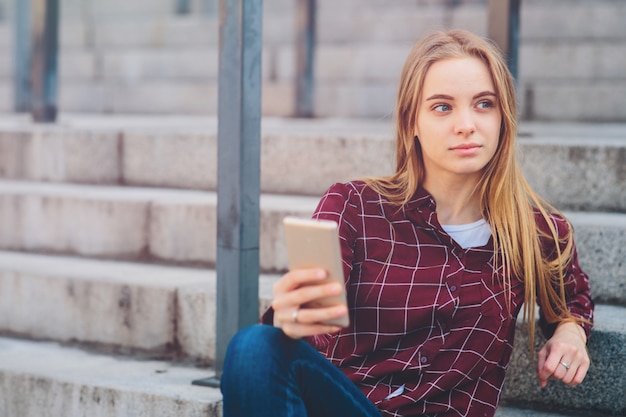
(354, 196)
(353, 189)
(552, 219)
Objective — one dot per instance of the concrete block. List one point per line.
(597, 236)
(46, 380)
(278, 99)
(363, 63)
(587, 61)
(605, 384)
(577, 173)
(346, 99)
(136, 65)
(86, 96)
(279, 26)
(78, 65)
(72, 219)
(184, 231)
(598, 101)
(147, 309)
(169, 97)
(472, 16)
(110, 314)
(60, 155)
(279, 64)
(75, 33)
(350, 21)
(561, 61)
(7, 66)
(6, 98)
(315, 161)
(196, 322)
(561, 19)
(170, 159)
(136, 8)
(177, 32)
(156, 32)
(108, 304)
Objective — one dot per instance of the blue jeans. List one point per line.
(267, 373)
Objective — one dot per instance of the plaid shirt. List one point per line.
(427, 317)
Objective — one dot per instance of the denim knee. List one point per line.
(255, 349)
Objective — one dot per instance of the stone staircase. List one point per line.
(107, 250)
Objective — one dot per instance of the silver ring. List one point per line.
(294, 315)
(565, 365)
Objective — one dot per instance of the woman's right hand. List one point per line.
(296, 288)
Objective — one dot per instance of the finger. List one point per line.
(541, 361)
(298, 330)
(567, 368)
(580, 374)
(298, 277)
(320, 315)
(551, 367)
(303, 295)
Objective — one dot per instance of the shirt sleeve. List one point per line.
(577, 290)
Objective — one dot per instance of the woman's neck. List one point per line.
(457, 201)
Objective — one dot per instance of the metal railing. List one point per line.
(35, 57)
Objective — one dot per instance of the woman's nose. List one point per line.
(464, 123)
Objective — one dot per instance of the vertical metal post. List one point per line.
(183, 6)
(239, 168)
(45, 36)
(503, 29)
(22, 55)
(305, 52)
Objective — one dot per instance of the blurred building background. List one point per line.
(160, 56)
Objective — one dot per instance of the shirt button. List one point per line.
(453, 288)
(424, 359)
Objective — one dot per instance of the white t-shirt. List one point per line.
(470, 235)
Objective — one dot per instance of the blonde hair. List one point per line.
(507, 201)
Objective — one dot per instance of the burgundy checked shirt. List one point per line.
(430, 332)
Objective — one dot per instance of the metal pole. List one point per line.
(305, 51)
(22, 56)
(239, 148)
(45, 26)
(503, 29)
(183, 6)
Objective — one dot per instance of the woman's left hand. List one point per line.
(564, 356)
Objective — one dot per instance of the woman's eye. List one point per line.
(485, 104)
(442, 108)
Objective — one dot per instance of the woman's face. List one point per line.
(458, 121)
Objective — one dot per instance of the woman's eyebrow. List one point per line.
(484, 94)
(440, 97)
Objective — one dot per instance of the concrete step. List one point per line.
(604, 387)
(159, 225)
(576, 166)
(179, 227)
(148, 310)
(49, 380)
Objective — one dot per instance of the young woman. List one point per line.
(438, 258)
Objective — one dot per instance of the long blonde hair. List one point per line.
(507, 201)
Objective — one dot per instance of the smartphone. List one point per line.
(315, 244)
